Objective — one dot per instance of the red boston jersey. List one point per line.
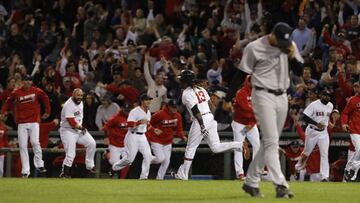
(27, 104)
(116, 129)
(167, 122)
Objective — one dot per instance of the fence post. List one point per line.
(227, 163)
(8, 163)
(98, 164)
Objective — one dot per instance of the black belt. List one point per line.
(317, 129)
(277, 92)
(203, 114)
(138, 133)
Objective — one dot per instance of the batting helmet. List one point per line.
(187, 76)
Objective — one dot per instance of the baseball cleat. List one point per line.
(24, 175)
(349, 174)
(283, 192)
(174, 175)
(41, 170)
(252, 191)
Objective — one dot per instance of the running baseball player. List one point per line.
(72, 132)
(268, 60)
(135, 139)
(244, 125)
(317, 115)
(164, 123)
(350, 119)
(115, 130)
(197, 102)
(26, 101)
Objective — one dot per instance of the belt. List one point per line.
(203, 114)
(138, 133)
(277, 92)
(317, 129)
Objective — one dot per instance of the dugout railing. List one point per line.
(337, 140)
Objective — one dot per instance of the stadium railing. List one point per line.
(337, 140)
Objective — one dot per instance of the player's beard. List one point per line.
(324, 101)
(77, 100)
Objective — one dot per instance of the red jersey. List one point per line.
(3, 137)
(243, 112)
(167, 122)
(116, 129)
(26, 103)
(313, 162)
(292, 158)
(351, 114)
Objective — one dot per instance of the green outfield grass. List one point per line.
(105, 190)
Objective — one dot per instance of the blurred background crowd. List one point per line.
(101, 47)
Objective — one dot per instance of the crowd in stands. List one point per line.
(100, 46)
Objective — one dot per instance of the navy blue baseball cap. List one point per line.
(144, 97)
(282, 31)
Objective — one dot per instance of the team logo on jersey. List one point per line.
(77, 113)
(169, 123)
(27, 98)
(319, 113)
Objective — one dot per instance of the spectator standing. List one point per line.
(106, 110)
(156, 89)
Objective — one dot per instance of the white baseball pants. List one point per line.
(271, 111)
(133, 144)
(2, 158)
(194, 139)
(320, 138)
(69, 138)
(354, 162)
(240, 134)
(162, 155)
(116, 153)
(26, 130)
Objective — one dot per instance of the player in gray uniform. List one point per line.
(268, 59)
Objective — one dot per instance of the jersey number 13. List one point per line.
(200, 96)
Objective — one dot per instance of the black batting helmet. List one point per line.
(187, 76)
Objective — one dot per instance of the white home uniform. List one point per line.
(135, 140)
(70, 136)
(198, 96)
(320, 113)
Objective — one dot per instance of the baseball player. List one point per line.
(115, 130)
(135, 139)
(244, 125)
(197, 102)
(3, 143)
(317, 115)
(72, 132)
(164, 123)
(268, 60)
(26, 101)
(350, 119)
